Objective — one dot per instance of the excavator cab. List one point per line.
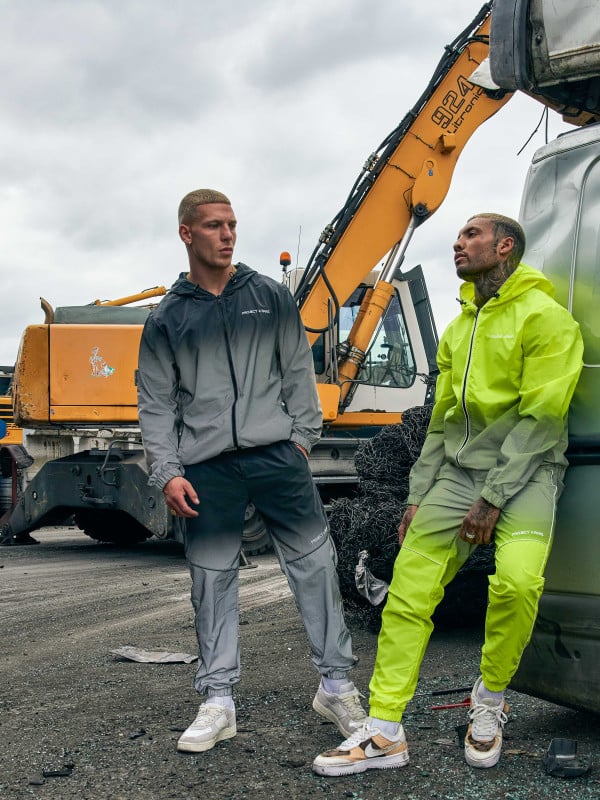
(400, 355)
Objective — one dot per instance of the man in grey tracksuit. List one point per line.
(229, 412)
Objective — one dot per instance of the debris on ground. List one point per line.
(561, 759)
(153, 656)
(137, 734)
(61, 772)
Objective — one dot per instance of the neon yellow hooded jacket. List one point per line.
(507, 374)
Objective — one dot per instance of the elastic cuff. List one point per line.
(387, 714)
(296, 438)
(219, 692)
(492, 686)
(162, 475)
(493, 497)
(336, 674)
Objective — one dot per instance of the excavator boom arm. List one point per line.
(407, 177)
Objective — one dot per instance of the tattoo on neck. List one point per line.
(489, 282)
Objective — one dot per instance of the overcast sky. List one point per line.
(111, 110)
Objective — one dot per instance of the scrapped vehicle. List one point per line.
(559, 213)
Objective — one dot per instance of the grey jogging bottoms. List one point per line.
(277, 479)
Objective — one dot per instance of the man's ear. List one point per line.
(506, 245)
(185, 234)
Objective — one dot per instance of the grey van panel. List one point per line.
(560, 212)
(574, 564)
(561, 663)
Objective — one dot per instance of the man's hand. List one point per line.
(479, 523)
(177, 492)
(405, 522)
(302, 450)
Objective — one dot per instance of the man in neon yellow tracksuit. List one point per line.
(491, 466)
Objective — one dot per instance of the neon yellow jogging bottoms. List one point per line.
(431, 556)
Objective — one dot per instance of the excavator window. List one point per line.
(390, 359)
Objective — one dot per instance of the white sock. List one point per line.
(225, 700)
(485, 694)
(336, 685)
(388, 728)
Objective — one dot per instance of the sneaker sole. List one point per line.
(201, 747)
(327, 714)
(383, 762)
(484, 763)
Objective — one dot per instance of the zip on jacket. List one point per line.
(464, 391)
(233, 378)
(522, 354)
(218, 374)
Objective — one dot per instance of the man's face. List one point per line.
(211, 235)
(476, 250)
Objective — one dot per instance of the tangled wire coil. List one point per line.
(369, 521)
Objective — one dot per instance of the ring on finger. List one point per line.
(470, 535)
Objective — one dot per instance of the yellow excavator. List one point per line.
(372, 332)
(370, 327)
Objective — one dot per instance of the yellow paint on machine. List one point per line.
(89, 374)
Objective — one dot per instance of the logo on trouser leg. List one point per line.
(322, 535)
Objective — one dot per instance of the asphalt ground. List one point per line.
(79, 722)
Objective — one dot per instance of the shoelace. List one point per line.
(359, 736)
(207, 715)
(351, 703)
(486, 720)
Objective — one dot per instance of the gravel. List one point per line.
(79, 723)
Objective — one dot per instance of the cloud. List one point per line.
(111, 111)
(125, 64)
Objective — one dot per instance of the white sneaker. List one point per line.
(483, 742)
(367, 748)
(213, 723)
(343, 709)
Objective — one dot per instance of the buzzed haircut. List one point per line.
(199, 197)
(506, 226)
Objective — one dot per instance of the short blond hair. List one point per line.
(199, 197)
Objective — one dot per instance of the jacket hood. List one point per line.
(522, 280)
(183, 287)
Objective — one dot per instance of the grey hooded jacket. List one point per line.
(225, 372)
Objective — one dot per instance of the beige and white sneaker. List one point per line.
(213, 723)
(343, 709)
(367, 748)
(483, 742)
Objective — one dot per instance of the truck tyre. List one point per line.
(256, 538)
(111, 527)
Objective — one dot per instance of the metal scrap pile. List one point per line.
(369, 522)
